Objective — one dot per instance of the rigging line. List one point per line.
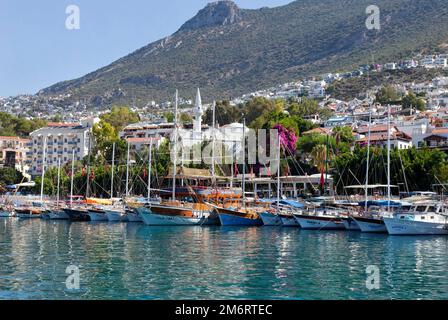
(354, 176)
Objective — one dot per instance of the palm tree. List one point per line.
(319, 156)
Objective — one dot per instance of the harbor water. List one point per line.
(133, 261)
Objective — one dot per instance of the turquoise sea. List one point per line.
(133, 261)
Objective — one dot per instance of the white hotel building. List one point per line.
(60, 140)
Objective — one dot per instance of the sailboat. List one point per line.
(173, 212)
(271, 217)
(239, 214)
(372, 221)
(37, 210)
(76, 213)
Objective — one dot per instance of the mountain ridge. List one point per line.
(229, 51)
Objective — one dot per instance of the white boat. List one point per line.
(134, 216)
(321, 219)
(270, 219)
(58, 215)
(423, 219)
(351, 224)
(116, 215)
(175, 216)
(371, 225)
(5, 214)
(288, 220)
(97, 215)
(28, 213)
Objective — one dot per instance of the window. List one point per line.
(432, 217)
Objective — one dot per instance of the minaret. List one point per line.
(197, 114)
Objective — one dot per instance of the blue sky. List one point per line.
(36, 49)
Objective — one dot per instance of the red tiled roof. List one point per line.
(141, 140)
(383, 137)
(440, 131)
(62, 124)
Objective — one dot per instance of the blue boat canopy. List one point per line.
(381, 203)
(292, 203)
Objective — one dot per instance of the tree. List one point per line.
(224, 113)
(387, 95)
(10, 176)
(411, 101)
(120, 116)
(319, 156)
(169, 116)
(185, 118)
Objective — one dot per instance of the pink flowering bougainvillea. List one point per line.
(288, 139)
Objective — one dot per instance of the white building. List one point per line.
(441, 62)
(60, 140)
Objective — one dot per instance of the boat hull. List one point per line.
(27, 214)
(134, 217)
(116, 216)
(371, 225)
(227, 219)
(319, 223)
(270, 219)
(5, 214)
(97, 216)
(153, 219)
(77, 215)
(289, 221)
(58, 215)
(408, 227)
(351, 224)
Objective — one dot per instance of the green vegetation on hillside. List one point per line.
(263, 48)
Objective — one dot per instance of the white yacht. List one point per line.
(325, 218)
(421, 219)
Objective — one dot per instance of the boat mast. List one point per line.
(368, 161)
(243, 184)
(175, 145)
(127, 171)
(88, 165)
(112, 172)
(43, 170)
(71, 181)
(149, 169)
(278, 174)
(59, 181)
(213, 143)
(388, 158)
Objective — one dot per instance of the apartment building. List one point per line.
(59, 141)
(13, 153)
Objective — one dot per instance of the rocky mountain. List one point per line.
(228, 51)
